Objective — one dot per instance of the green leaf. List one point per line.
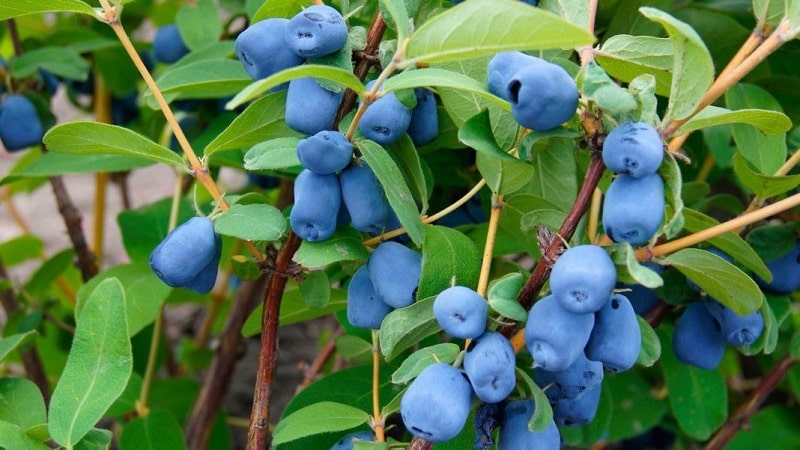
(636, 407)
(769, 122)
(98, 366)
(21, 402)
(203, 79)
(768, 12)
(254, 222)
(144, 293)
(503, 176)
(651, 346)
(20, 249)
(596, 85)
(9, 343)
(644, 88)
(294, 309)
(394, 185)
(257, 88)
(502, 296)
(422, 358)
(316, 289)
(199, 23)
(550, 218)
(542, 411)
(505, 25)
(274, 154)
(407, 326)
(730, 243)
(261, 121)
(354, 349)
(344, 245)
(629, 270)
(554, 170)
(448, 258)
(763, 186)
(212, 52)
(95, 138)
(436, 77)
(719, 279)
(698, 398)
(771, 242)
(575, 11)
(50, 164)
(777, 425)
(477, 133)
(144, 228)
(159, 430)
(43, 278)
(95, 439)
(766, 152)
(626, 57)
(692, 68)
(286, 9)
(396, 16)
(670, 172)
(18, 8)
(14, 437)
(306, 421)
(65, 62)
(406, 157)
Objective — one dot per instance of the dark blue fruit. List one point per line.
(642, 298)
(578, 411)
(318, 30)
(310, 108)
(262, 51)
(633, 148)
(424, 125)
(436, 404)
(325, 153)
(168, 45)
(468, 213)
(49, 81)
(616, 338)
(385, 120)
(317, 200)
(542, 96)
(554, 336)
(461, 312)
(365, 308)
(697, 339)
(263, 181)
(20, 126)
(737, 330)
(571, 382)
(785, 272)
(395, 270)
(514, 432)
(188, 256)
(349, 441)
(633, 208)
(503, 66)
(365, 200)
(583, 278)
(490, 362)
(124, 109)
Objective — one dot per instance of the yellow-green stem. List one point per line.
(378, 420)
(102, 113)
(706, 168)
(594, 215)
(488, 248)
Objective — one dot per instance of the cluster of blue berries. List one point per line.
(189, 255)
(633, 207)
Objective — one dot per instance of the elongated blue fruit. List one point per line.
(697, 339)
(185, 258)
(424, 125)
(502, 68)
(318, 30)
(385, 120)
(20, 126)
(582, 279)
(642, 298)
(737, 330)
(490, 362)
(633, 148)
(436, 404)
(365, 200)
(349, 441)
(578, 411)
(461, 312)
(633, 208)
(616, 338)
(542, 96)
(205, 280)
(554, 336)
(310, 108)
(317, 200)
(325, 153)
(365, 308)
(395, 270)
(262, 51)
(168, 44)
(572, 382)
(785, 272)
(514, 432)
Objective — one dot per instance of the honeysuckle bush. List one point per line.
(719, 80)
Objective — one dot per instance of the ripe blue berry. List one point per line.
(737, 330)
(310, 108)
(349, 441)
(514, 432)
(325, 153)
(424, 125)
(502, 67)
(365, 308)
(542, 96)
(633, 148)
(554, 336)
(580, 410)
(642, 298)
(616, 338)
(395, 270)
(697, 339)
(385, 120)
(188, 256)
(490, 364)
(317, 200)
(436, 404)
(168, 45)
(582, 279)
(262, 51)
(785, 272)
(20, 126)
(365, 200)
(461, 312)
(572, 382)
(633, 208)
(318, 30)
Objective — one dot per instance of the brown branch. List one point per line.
(258, 433)
(34, 369)
(72, 220)
(420, 444)
(739, 419)
(218, 377)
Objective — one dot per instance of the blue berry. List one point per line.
(542, 96)
(325, 153)
(385, 120)
(633, 148)
(514, 432)
(554, 336)
(365, 200)
(262, 51)
(365, 308)
(310, 108)
(188, 256)
(424, 125)
(20, 126)
(582, 279)
(395, 270)
(737, 330)
(697, 339)
(616, 338)
(317, 200)
(318, 30)
(349, 441)
(436, 404)
(461, 312)
(633, 208)
(490, 364)
(168, 45)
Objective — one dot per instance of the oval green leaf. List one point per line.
(18, 8)
(448, 258)
(422, 358)
(254, 222)
(307, 421)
